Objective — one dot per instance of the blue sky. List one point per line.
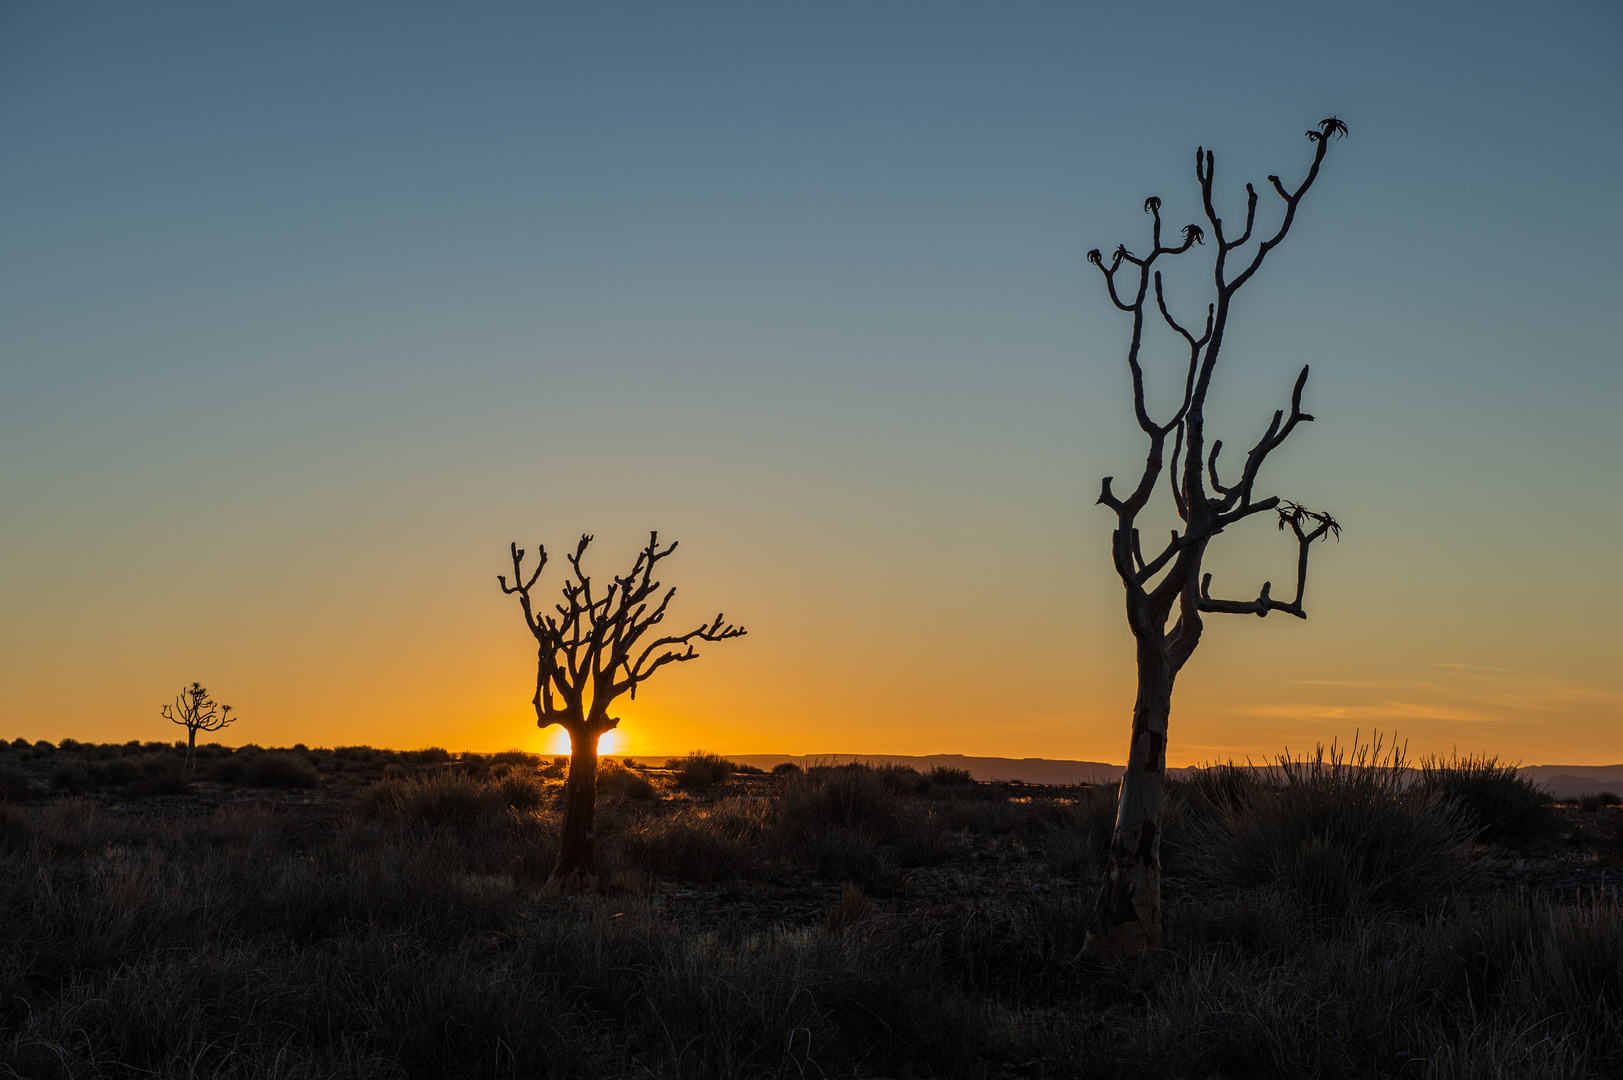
(305, 312)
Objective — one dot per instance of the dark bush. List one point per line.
(516, 757)
(923, 842)
(15, 785)
(1075, 836)
(613, 776)
(1216, 789)
(44, 746)
(69, 744)
(700, 843)
(1591, 803)
(784, 768)
(442, 798)
(350, 753)
(1498, 801)
(117, 771)
(72, 777)
(20, 744)
(1340, 833)
(265, 770)
(896, 779)
(429, 755)
(839, 796)
(942, 776)
(158, 774)
(558, 768)
(521, 791)
(699, 770)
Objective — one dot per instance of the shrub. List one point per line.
(516, 757)
(521, 791)
(444, 798)
(942, 776)
(700, 843)
(839, 796)
(896, 779)
(558, 768)
(274, 769)
(1340, 834)
(159, 774)
(613, 776)
(1497, 800)
(15, 786)
(71, 777)
(785, 768)
(119, 770)
(923, 842)
(44, 745)
(69, 744)
(1216, 789)
(853, 908)
(1591, 803)
(429, 755)
(699, 770)
(1076, 837)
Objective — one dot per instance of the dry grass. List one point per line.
(408, 936)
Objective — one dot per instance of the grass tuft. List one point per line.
(1496, 799)
(1341, 832)
(699, 771)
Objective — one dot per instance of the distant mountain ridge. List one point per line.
(1561, 781)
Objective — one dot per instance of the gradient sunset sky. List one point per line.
(306, 311)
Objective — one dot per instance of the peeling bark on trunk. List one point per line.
(1127, 919)
(577, 856)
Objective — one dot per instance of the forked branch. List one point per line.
(1298, 519)
(590, 649)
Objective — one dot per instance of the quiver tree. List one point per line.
(591, 647)
(196, 711)
(1127, 918)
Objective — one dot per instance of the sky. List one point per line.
(308, 310)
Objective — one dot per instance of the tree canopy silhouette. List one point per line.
(1127, 917)
(196, 711)
(591, 648)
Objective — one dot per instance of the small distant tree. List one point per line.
(591, 648)
(1127, 918)
(196, 711)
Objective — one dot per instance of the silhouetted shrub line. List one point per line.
(407, 939)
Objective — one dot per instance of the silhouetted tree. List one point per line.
(196, 711)
(1127, 918)
(590, 650)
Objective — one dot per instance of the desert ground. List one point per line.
(361, 912)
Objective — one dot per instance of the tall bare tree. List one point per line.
(1127, 918)
(590, 649)
(196, 711)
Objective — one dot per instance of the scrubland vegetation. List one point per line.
(356, 912)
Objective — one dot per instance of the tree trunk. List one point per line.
(191, 749)
(1127, 919)
(577, 857)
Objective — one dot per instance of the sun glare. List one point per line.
(555, 740)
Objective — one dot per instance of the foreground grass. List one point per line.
(405, 934)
